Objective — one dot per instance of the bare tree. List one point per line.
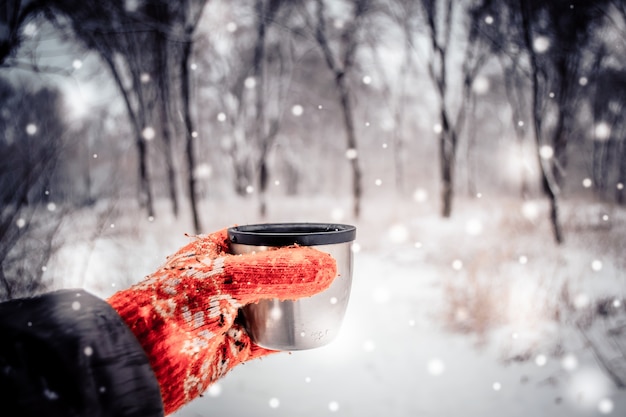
(31, 129)
(608, 103)
(252, 85)
(264, 130)
(454, 104)
(609, 128)
(162, 14)
(14, 14)
(146, 47)
(500, 30)
(191, 17)
(396, 88)
(554, 41)
(121, 39)
(341, 64)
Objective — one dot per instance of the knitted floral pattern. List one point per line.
(184, 314)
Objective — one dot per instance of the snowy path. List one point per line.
(392, 358)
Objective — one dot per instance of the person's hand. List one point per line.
(184, 314)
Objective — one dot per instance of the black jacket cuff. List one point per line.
(68, 353)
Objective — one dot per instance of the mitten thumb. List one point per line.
(286, 273)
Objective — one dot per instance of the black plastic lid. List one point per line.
(285, 234)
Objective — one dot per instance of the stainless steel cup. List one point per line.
(308, 322)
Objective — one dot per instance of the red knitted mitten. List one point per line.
(184, 314)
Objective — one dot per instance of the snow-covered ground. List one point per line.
(478, 315)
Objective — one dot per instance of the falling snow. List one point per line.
(274, 403)
(132, 5)
(481, 85)
(541, 44)
(605, 406)
(420, 195)
(31, 129)
(333, 406)
(51, 395)
(297, 110)
(530, 210)
(203, 171)
(474, 227)
(541, 360)
(250, 83)
(602, 131)
(351, 154)
(596, 265)
(231, 27)
(588, 387)
(148, 133)
(398, 233)
(546, 152)
(569, 362)
(30, 29)
(436, 367)
(337, 214)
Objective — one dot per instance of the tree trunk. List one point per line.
(349, 44)
(447, 157)
(189, 139)
(512, 89)
(145, 189)
(5, 283)
(348, 118)
(259, 130)
(621, 177)
(165, 119)
(549, 185)
(398, 131)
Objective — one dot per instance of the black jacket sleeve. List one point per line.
(68, 353)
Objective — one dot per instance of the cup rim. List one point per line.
(285, 234)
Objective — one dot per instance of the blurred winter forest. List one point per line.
(464, 138)
(189, 101)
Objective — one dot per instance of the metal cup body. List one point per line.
(305, 323)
